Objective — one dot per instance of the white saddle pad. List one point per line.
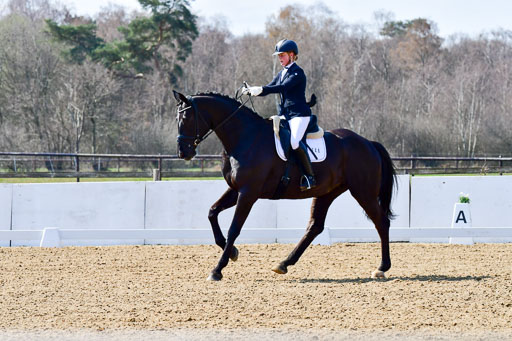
(317, 145)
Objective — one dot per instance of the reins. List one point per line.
(198, 139)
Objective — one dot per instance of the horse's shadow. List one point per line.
(419, 278)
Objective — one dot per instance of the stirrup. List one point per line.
(307, 182)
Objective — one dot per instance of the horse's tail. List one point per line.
(388, 180)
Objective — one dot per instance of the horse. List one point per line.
(253, 170)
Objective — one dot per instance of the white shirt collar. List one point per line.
(285, 70)
(289, 65)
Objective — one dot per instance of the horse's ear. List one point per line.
(180, 97)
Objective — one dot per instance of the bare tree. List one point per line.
(405, 87)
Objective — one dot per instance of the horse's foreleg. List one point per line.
(319, 209)
(243, 207)
(227, 200)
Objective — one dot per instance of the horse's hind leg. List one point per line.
(382, 223)
(316, 224)
(227, 200)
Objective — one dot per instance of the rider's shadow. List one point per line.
(420, 278)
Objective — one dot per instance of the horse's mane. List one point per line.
(229, 99)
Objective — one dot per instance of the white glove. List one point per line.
(252, 90)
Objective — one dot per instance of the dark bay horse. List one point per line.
(252, 170)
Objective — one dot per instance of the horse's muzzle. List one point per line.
(188, 157)
(185, 150)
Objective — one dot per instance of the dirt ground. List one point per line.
(431, 289)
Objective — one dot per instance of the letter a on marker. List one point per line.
(462, 217)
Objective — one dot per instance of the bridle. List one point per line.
(195, 112)
(197, 138)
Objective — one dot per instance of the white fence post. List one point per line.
(461, 218)
(50, 238)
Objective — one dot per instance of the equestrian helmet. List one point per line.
(286, 45)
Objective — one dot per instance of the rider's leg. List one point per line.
(298, 127)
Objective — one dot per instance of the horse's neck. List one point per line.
(238, 132)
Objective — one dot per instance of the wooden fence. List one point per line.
(72, 165)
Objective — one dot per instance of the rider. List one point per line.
(290, 83)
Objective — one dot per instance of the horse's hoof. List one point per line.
(280, 269)
(378, 274)
(234, 254)
(214, 277)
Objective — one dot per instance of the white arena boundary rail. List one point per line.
(176, 212)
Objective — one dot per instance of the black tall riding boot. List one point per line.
(308, 179)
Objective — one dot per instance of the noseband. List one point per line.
(195, 112)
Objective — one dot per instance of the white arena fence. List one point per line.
(176, 212)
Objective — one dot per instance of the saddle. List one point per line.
(282, 132)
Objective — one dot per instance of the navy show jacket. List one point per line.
(292, 90)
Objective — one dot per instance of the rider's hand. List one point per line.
(252, 90)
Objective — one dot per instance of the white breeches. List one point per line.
(298, 126)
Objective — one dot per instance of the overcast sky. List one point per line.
(242, 16)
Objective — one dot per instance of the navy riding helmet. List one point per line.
(286, 45)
